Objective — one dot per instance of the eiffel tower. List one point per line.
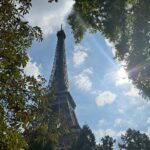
(64, 104)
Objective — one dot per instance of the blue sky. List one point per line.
(106, 100)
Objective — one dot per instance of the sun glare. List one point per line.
(122, 76)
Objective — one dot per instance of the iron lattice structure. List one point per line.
(63, 104)
(59, 77)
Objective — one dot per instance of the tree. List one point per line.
(107, 143)
(41, 138)
(126, 24)
(85, 141)
(21, 96)
(134, 140)
(46, 130)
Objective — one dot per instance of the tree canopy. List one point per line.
(134, 140)
(85, 141)
(22, 98)
(126, 24)
(107, 143)
(131, 140)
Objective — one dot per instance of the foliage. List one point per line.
(131, 140)
(86, 140)
(134, 140)
(41, 139)
(107, 143)
(52, 1)
(11, 139)
(46, 130)
(126, 23)
(21, 96)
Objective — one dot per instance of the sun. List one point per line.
(122, 76)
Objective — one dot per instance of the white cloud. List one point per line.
(139, 103)
(118, 122)
(32, 69)
(49, 16)
(102, 123)
(88, 71)
(121, 110)
(82, 81)
(79, 58)
(121, 76)
(128, 122)
(105, 97)
(148, 132)
(79, 55)
(113, 133)
(111, 45)
(133, 92)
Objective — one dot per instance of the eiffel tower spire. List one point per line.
(64, 104)
(59, 78)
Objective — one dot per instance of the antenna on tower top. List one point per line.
(61, 26)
